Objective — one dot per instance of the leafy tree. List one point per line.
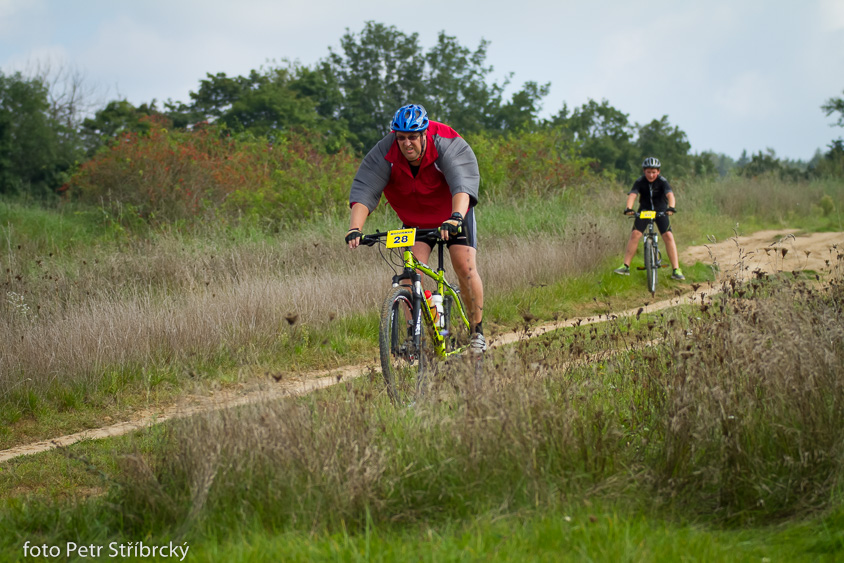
(605, 134)
(378, 71)
(709, 163)
(762, 163)
(69, 96)
(116, 117)
(768, 163)
(816, 158)
(264, 103)
(617, 146)
(461, 96)
(458, 91)
(350, 97)
(834, 105)
(218, 93)
(520, 113)
(831, 164)
(382, 69)
(658, 138)
(321, 88)
(704, 165)
(272, 107)
(35, 148)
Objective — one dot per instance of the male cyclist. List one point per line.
(655, 194)
(430, 177)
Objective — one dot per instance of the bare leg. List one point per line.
(632, 245)
(671, 249)
(463, 259)
(422, 251)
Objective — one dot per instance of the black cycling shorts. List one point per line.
(662, 223)
(467, 237)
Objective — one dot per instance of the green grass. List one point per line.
(568, 451)
(577, 533)
(70, 408)
(580, 533)
(49, 230)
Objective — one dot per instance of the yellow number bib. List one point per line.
(647, 215)
(401, 238)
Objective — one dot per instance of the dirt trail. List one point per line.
(737, 257)
(768, 251)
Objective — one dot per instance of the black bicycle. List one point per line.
(653, 258)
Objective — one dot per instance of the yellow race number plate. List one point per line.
(647, 215)
(401, 238)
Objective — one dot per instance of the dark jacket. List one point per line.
(658, 189)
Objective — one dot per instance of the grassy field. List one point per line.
(706, 432)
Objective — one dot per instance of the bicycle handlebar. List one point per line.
(421, 234)
(635, 215)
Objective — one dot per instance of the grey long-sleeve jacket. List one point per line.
(448, 167)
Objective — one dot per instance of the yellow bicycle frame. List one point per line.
(412, 263)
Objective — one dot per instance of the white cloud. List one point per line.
(35, 60)
(14, 14)
(748, 95)
(832, 14)
(139, 51)
(622, 50)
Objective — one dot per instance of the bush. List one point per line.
(832, 163)
(535, 163)
(164, 175)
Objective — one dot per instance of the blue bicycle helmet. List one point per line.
(412, 117)
(651, 162)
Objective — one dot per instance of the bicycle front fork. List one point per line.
(417, 302)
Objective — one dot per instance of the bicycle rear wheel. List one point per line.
(403, 364)
(651, 264)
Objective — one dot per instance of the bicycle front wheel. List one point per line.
(456, 330)
(651, 264)
(403, 363)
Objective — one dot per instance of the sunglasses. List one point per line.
(413, 137)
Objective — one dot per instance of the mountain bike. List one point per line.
(412, 335)
(653, 258)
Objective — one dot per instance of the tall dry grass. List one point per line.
(734, 412)
(72, 316)
(753, 402)
(766, 201)
(176, 303)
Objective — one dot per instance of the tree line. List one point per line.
(346, 101)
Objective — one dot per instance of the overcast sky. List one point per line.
(732, 74)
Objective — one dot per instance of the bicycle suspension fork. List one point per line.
(416, 301)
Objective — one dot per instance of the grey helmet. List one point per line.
(651, 162)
